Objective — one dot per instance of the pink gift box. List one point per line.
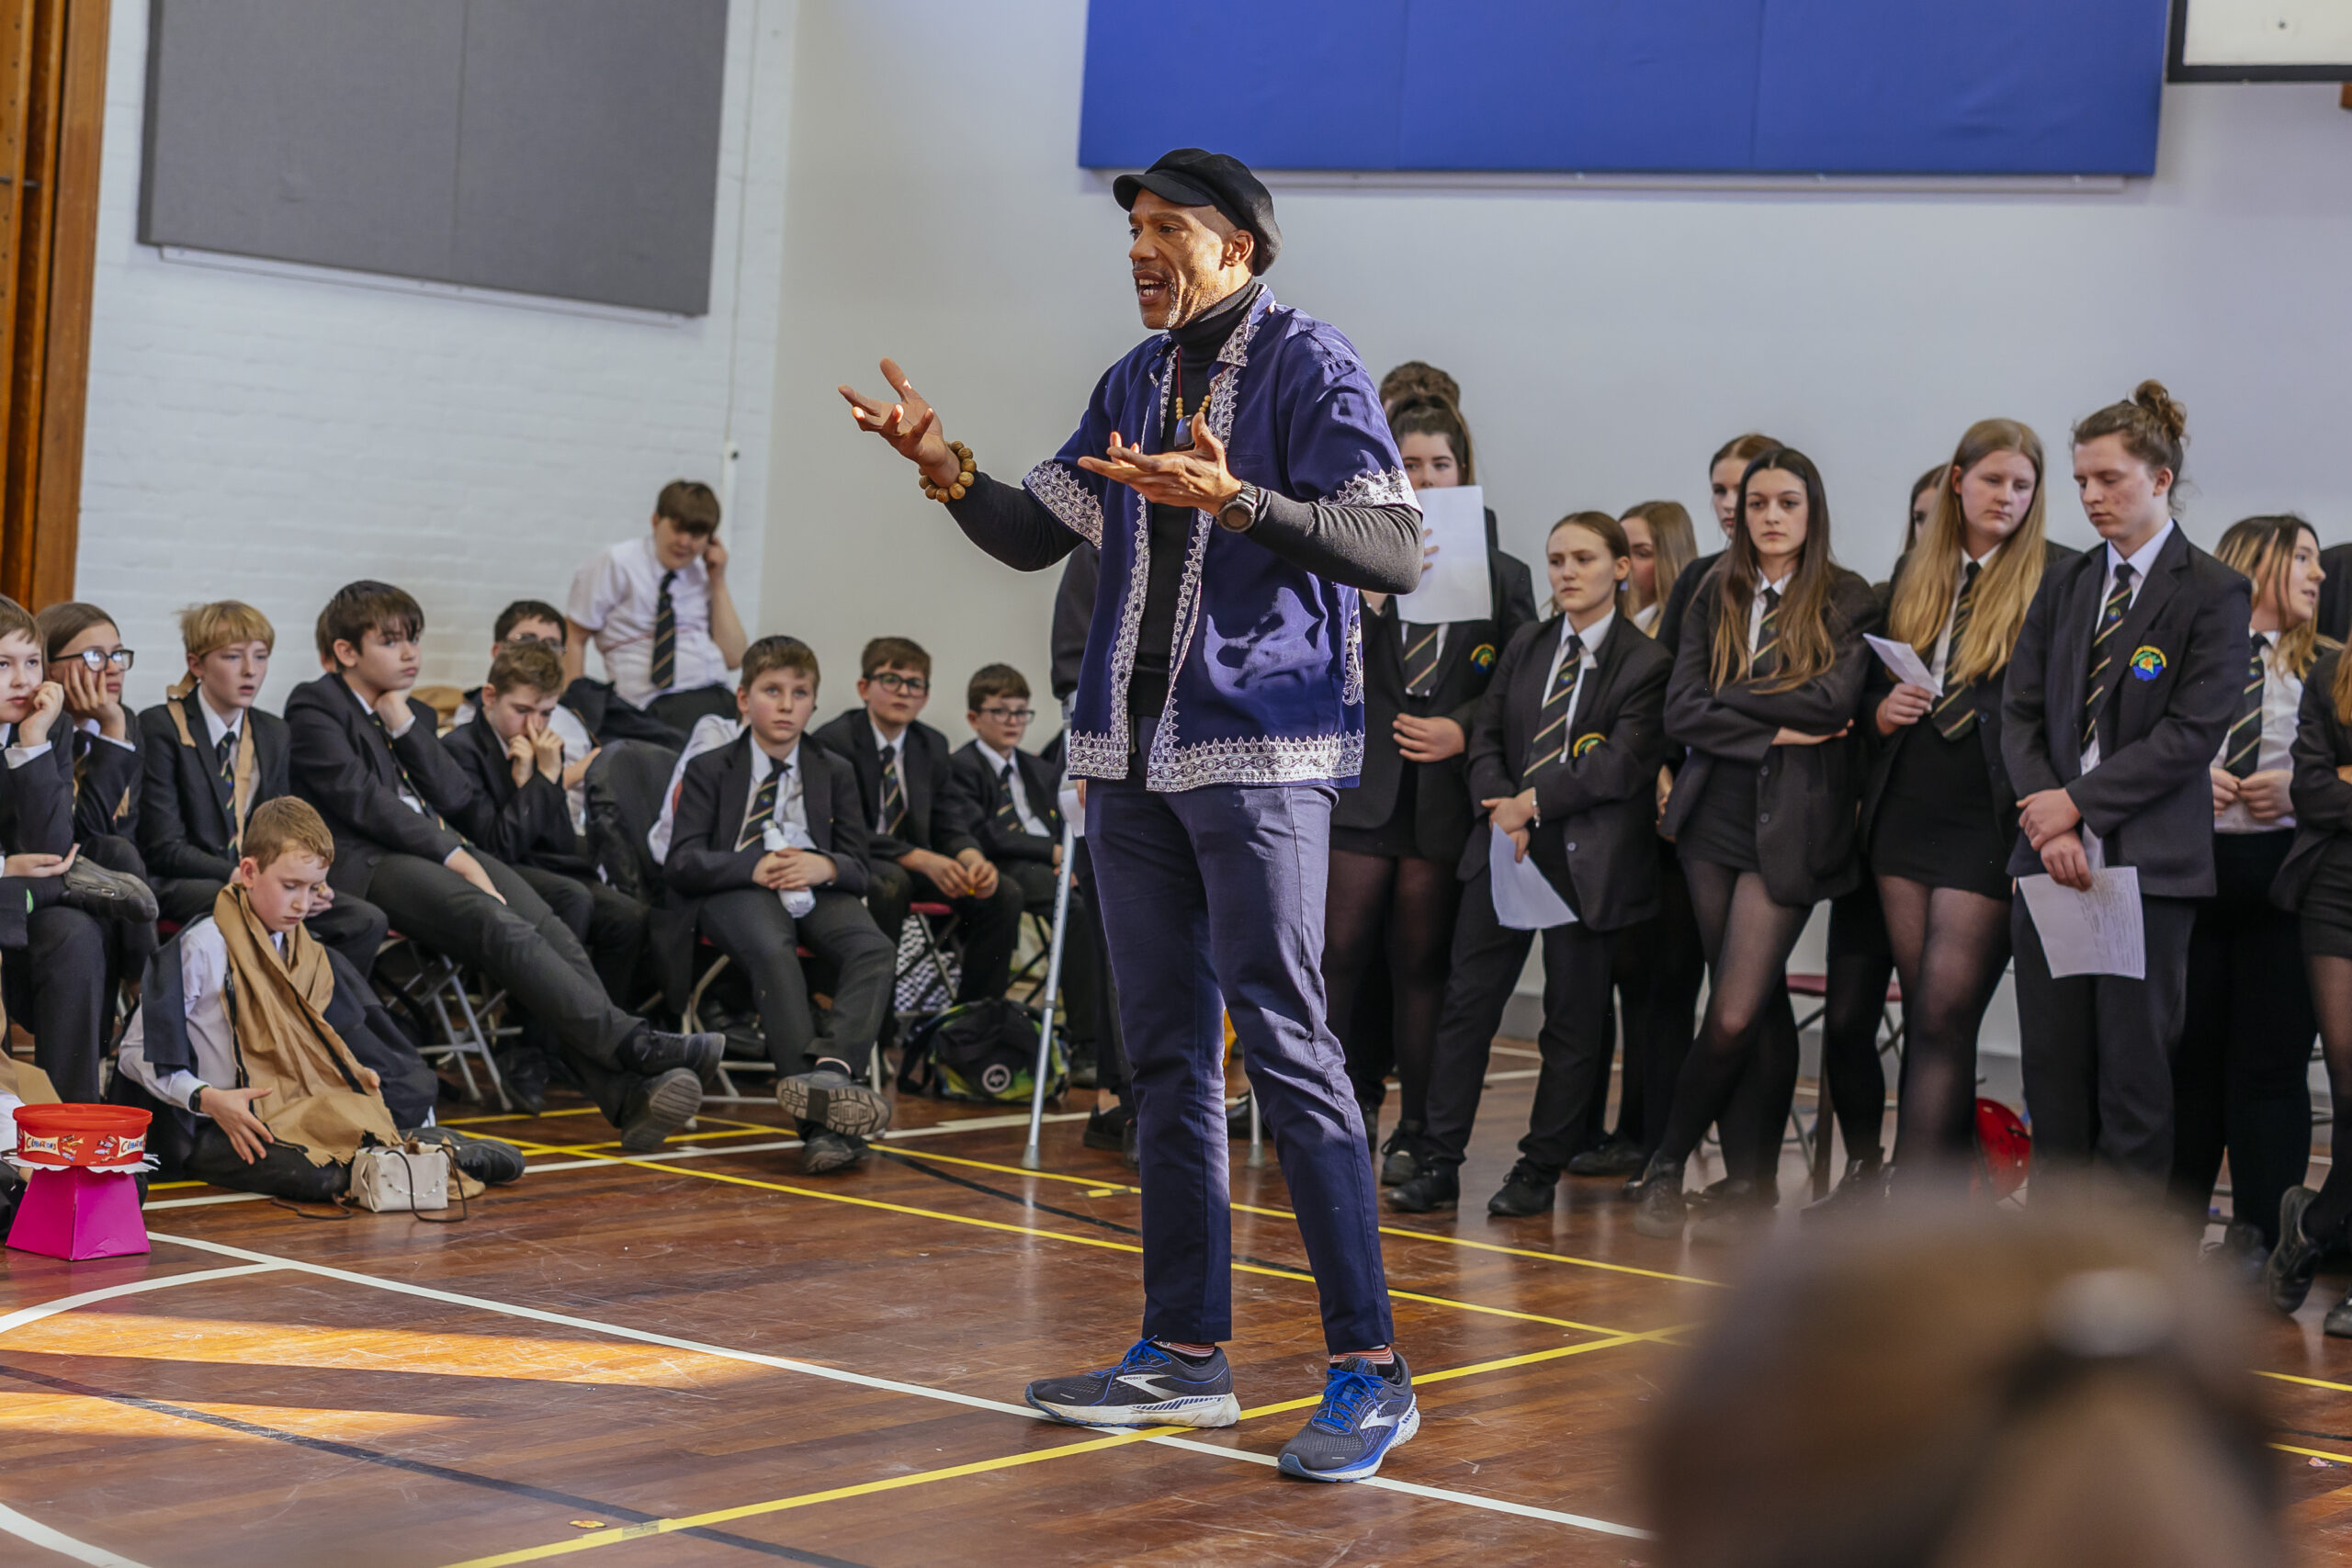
(74, 1213)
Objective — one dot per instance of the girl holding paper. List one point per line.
(1939, 813)
(1397, 835)
(1565, 756)
(1767, 680)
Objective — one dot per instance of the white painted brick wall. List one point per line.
(271, 437)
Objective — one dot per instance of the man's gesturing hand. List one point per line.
(1194, 476)
(909, 424)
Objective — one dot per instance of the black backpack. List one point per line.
(984, 1052)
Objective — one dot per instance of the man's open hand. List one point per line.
(909, 424)
(1194, 476)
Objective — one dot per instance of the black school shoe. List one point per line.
(108, 894)
(1618, 1156)
(2288, 1274)
(833, 1101)
(1400, 1158)
(655, 1052)
(823, 1149)
(1861, 1188)
(1528, 1190)
(1436, 1188)
(1661, 1213)
(657, 1107)
(488, 1161)
(1110, 1131)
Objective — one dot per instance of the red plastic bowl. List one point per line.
(80, 1134)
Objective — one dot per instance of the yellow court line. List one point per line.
(2313, 1453)
(2308, 1382)
(1103, 1242)
(1287, 1214)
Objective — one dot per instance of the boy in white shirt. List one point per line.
(658, 610)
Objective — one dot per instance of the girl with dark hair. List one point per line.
(2240, 1079)
(1395, 838)
(1766, 682)
(1938, 815)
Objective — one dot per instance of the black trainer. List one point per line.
(1661, 1213)
(823, 1149)
(657, 1107)
(1366, 1410)
(833, 1100)
(1860, 1188)
(109, 894)
(2288, 1275)
(1528, 1191)
(1436, 1188)
(1152, 1386)
(653, 1052)
(2338, 1323)
(1618, 1156)
(1400, 1158)
(487, 1160)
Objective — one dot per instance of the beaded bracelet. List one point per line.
(954, 490)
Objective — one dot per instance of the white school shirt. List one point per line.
(1647, 620)
(791, 800)
(1009, 774)
(616, 596)
(1756, 605)
(1408, 633)
(1590, 636)
(1960, 583)
(89, 726)
(204, 976)
(2140, 560)
(2282, 702)
(215, 727)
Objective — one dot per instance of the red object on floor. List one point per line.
(80, 1134)
(2004, 1148)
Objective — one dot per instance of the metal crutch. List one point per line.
(1029, 1160)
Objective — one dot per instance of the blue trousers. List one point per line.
(1212, 902)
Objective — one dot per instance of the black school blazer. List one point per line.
(1443, 804)
(184, 804)
(1806, 796)
(1597, 839)
(1985, 696)
(529, 825)
(2323, 801)
(2151, 798)
(976, 776)
(343, 763)
(37, 800)
(716, 791)
(938, 815)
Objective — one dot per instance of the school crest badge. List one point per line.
(1483, 657)
(1585, 743)
(2147, 663)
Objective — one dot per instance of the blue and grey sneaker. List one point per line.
(1152, 1387)
(1367, 1410)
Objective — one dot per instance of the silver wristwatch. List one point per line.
(1240, 513)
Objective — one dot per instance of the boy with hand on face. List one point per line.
(767, 853)
(406, 821)
(658, 608)
(212, 761)
(924, 848)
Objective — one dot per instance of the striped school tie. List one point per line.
(2103, 670)
(1954, 714)
(1766, 662)
(894, 794)
(762, 807)
(1552, 738)
(1007, 814)
(1422, 649)
(225, 758)
(2243, 747)
(665, 636)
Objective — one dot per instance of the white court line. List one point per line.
(860, 1380)
(40, 1534)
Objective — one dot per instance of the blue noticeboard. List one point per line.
(1649, 86)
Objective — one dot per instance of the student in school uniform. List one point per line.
(522, 766)
(2240, 1079)
(1397, 836)
(525, 620)
(2125, 679)
(211, 759)
(1939, 813)
(768, 854)
(922, 849)
(87, 659)
(1564, 760)
(1767, 680)
(658, 609)
(2315, 884)
(408, 823)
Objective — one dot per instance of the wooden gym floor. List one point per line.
(706, 1358)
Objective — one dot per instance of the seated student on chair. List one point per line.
(591, 712)
(212, 760)
(366, 755)
(54, 906)
(517, 760)
(525, 620)
(1564, 757)
(768, 851)
(250, 1032)
(924, 849)
(658, 608)
(1020, 829)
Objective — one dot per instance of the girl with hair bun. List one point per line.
(2125, 677)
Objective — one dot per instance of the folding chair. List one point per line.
(434, 996)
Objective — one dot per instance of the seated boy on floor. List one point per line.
(518, 760)
(263, 1053)
(365, 753)
(658, 608)
(212, 760)
(923, 848)
(767, 852)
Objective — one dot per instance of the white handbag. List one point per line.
(395, 1181)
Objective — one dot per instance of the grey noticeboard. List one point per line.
(567, 148)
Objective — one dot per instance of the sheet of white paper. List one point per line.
(1454, 588)
(1904, 661)
(1524, 900)
(2098, 933)
(1072, 812)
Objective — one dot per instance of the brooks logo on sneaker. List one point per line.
(1383, 1418)
(1148, 1384)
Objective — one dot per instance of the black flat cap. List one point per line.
(1190, 177)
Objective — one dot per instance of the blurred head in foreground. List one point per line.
(1955, 1388)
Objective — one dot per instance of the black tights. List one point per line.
(2332, 999)
(1749, 938)
(1951, 946)
(1853, 1010)
(1411, 901)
